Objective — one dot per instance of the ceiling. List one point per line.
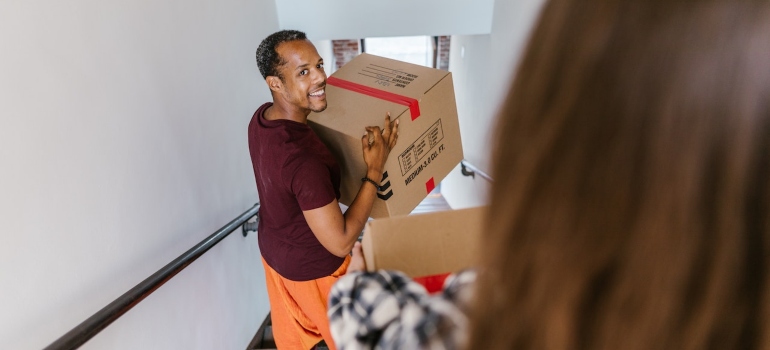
(352, 19)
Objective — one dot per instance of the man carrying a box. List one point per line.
(304, 237)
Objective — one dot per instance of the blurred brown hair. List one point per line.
(632, 196)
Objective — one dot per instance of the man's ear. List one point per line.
(274, 83)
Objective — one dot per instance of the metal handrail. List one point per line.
(104, 317)
(469, 170)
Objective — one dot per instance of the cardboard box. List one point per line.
(424, 244)
(429, 146)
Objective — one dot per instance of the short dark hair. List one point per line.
(268, 60)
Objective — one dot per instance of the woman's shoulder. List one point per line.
(387, 309)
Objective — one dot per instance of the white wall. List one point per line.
(482, 67)
(123, 144)
(326, 51)
(353, 19)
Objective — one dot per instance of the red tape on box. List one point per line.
(413, 104)
(430, 185)
(433, 283)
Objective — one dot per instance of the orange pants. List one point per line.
(298, 309)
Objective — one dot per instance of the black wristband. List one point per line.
(367, 179)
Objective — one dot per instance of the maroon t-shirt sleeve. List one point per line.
(310, 181)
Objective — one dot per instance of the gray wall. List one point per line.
(482, 67)
(123, 144)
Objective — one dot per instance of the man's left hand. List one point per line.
(357, 262)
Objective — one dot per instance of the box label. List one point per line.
(413, 154)
(385, 76)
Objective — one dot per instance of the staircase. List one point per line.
(263, 340)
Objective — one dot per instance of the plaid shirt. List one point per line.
(387, 310)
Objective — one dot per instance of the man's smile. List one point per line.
(319, 93)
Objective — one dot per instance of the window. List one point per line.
(412, 49)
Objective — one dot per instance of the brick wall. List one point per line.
(344, 51)
(442, 62)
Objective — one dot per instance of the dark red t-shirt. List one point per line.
(294, 172)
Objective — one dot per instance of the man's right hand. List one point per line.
(377, 144)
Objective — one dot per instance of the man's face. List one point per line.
(304, 79)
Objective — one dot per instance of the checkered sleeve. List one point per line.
(387, 310)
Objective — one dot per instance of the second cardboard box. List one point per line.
(423, 245)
